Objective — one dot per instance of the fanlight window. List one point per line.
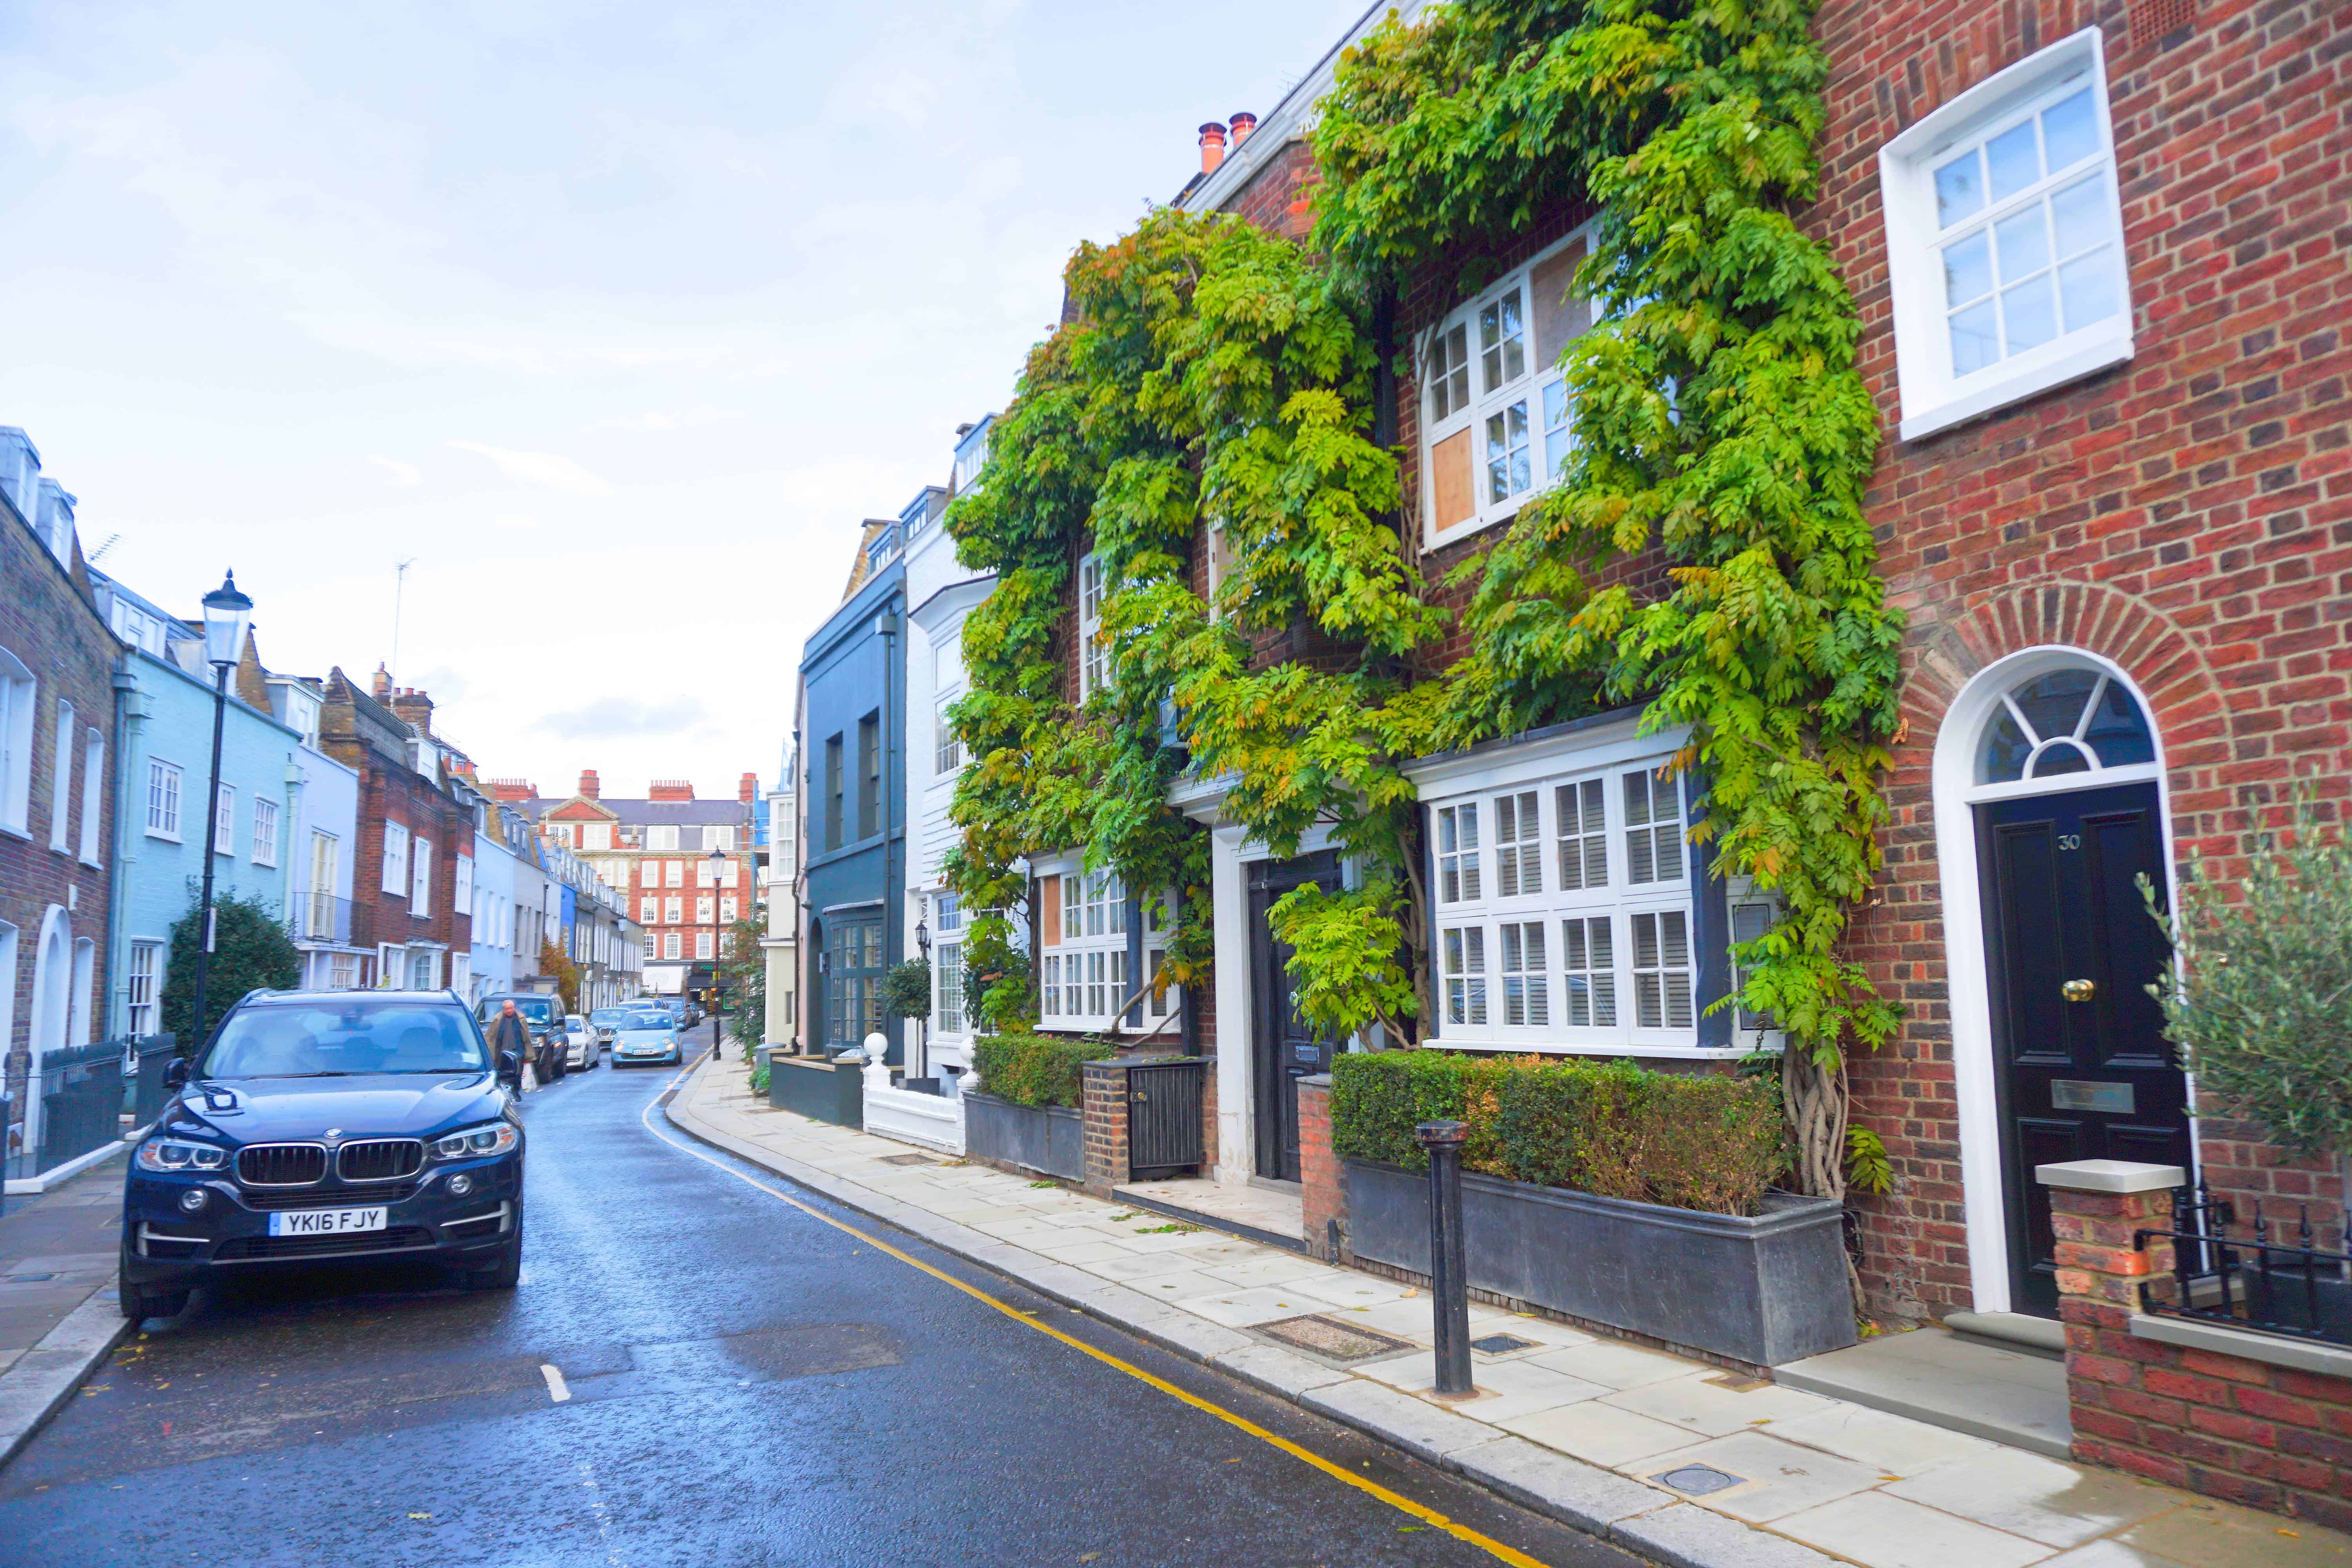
(2066, 721)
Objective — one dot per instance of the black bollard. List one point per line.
(1449, 1274)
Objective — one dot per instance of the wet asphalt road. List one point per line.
(747, 1385)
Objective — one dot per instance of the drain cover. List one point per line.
(1334, 1337)
(25, 1278)
(1500, 1344)
(909, 1159)
(1697, 1480)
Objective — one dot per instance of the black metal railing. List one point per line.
(2269, 1274)
(1163, 1115)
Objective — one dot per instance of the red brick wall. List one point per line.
(1102, 1101)
(1322, 1184)
(48, 621)
(2186, 515)
(2227, 1426)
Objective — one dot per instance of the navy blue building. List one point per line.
(853, 725)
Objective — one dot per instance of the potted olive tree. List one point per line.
(2260, 1006)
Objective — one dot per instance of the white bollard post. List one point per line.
(878, 1064)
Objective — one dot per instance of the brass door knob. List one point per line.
(2077, 990)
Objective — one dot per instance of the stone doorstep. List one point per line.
(1585, 1497)
(1952, 1380)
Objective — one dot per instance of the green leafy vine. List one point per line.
(1213, 387)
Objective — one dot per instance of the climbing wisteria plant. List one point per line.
(1213, 376)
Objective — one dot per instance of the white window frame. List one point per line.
(1094, 658)
(705, 945)
(1084, 971)
(265, 832)
(730, 873)
(947, 747)
(729, 910)
(395, 857)
(461, 895)
(671, 946)
(420, 876)
(64, 743)
(164, 791)
(142, 986)
(675, 875)
(225, 820)
(1933, 398)
(947, 965)
(391, 966)
(342, 971)
(672, 912)
(461, 973)
(1538, 384)
(596, 836)
(650, 872)
(648, 910)
(1609, 753)
(704, 909)
(662, 837)
(93, 793)
(19, 698)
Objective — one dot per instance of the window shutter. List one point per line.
(1561, 316)
(1049, 920)
(1450, 476)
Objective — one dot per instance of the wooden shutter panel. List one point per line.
(1450, 479)
(1049, 910)
(1561, 316)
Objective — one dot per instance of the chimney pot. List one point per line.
(380, 685)
(1212, 147)
(1244, 123)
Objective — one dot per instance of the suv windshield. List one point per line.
(329, 1041)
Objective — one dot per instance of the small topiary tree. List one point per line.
(907, 989)
(250, 949)
(2262, 1009)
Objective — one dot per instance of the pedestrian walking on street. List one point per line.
(508, 1033)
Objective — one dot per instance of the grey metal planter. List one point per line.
(824, 1090)
(1047, 1139)
(1763, 1290)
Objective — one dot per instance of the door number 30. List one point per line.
(2070, 841)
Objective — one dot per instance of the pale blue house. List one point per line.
(164, 779)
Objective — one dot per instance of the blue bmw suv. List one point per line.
(328, 1126)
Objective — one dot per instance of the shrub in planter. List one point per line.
(1700, 1142)
(1035, 1069)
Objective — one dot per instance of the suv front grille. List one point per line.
(281, 1164)
(381, 1159)
(329, 1198)
(397, 1238)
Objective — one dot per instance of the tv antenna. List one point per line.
(95, 556)
(399, 585)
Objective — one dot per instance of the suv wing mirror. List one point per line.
(509, 1068)
(175, 1073)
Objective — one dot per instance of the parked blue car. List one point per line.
(327, 1126)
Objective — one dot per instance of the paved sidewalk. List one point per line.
(1620, 1440)
(58, 1319)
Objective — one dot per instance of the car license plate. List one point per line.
(325, 1222)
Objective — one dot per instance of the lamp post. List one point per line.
(227, 614)
(718, 942)
(923, 1028)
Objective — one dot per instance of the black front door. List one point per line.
(2083, 1071)
(1283, 1049)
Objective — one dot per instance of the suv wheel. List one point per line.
(139, 1304)
(507, 1272)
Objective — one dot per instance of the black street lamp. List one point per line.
(227, 615)
(718, 944)
(923, 1026)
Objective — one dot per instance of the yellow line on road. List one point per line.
(1428, 1516)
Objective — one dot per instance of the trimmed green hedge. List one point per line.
(1690, 1140)
(1035, 1069)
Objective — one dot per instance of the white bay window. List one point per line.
(1100, 948)
(1569, 914)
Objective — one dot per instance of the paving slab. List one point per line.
(1935, 1375)
(1890, 1532)
(1585, 1495)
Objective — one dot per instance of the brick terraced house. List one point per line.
(2098, 249)
(58, 813)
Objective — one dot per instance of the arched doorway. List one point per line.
(2049, 819)
(52, 1011)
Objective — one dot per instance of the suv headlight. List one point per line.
(170, 1154)
(476, 1143)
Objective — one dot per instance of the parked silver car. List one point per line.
(579, 1042)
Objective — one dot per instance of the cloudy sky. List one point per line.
(612, 318)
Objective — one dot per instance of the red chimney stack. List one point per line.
(589, 785)
(670, 789)
(1212, 147)
(748, 789)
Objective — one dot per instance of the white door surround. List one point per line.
(1955, 790)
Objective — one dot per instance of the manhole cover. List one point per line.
(1334, 1337)
(1697, 1480)
(909, 1159)
(1500, 1344)
(25, 1278)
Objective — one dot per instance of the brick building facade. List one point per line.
(58, 810)
(411, 896)
(2097, 250)
(655, 853)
